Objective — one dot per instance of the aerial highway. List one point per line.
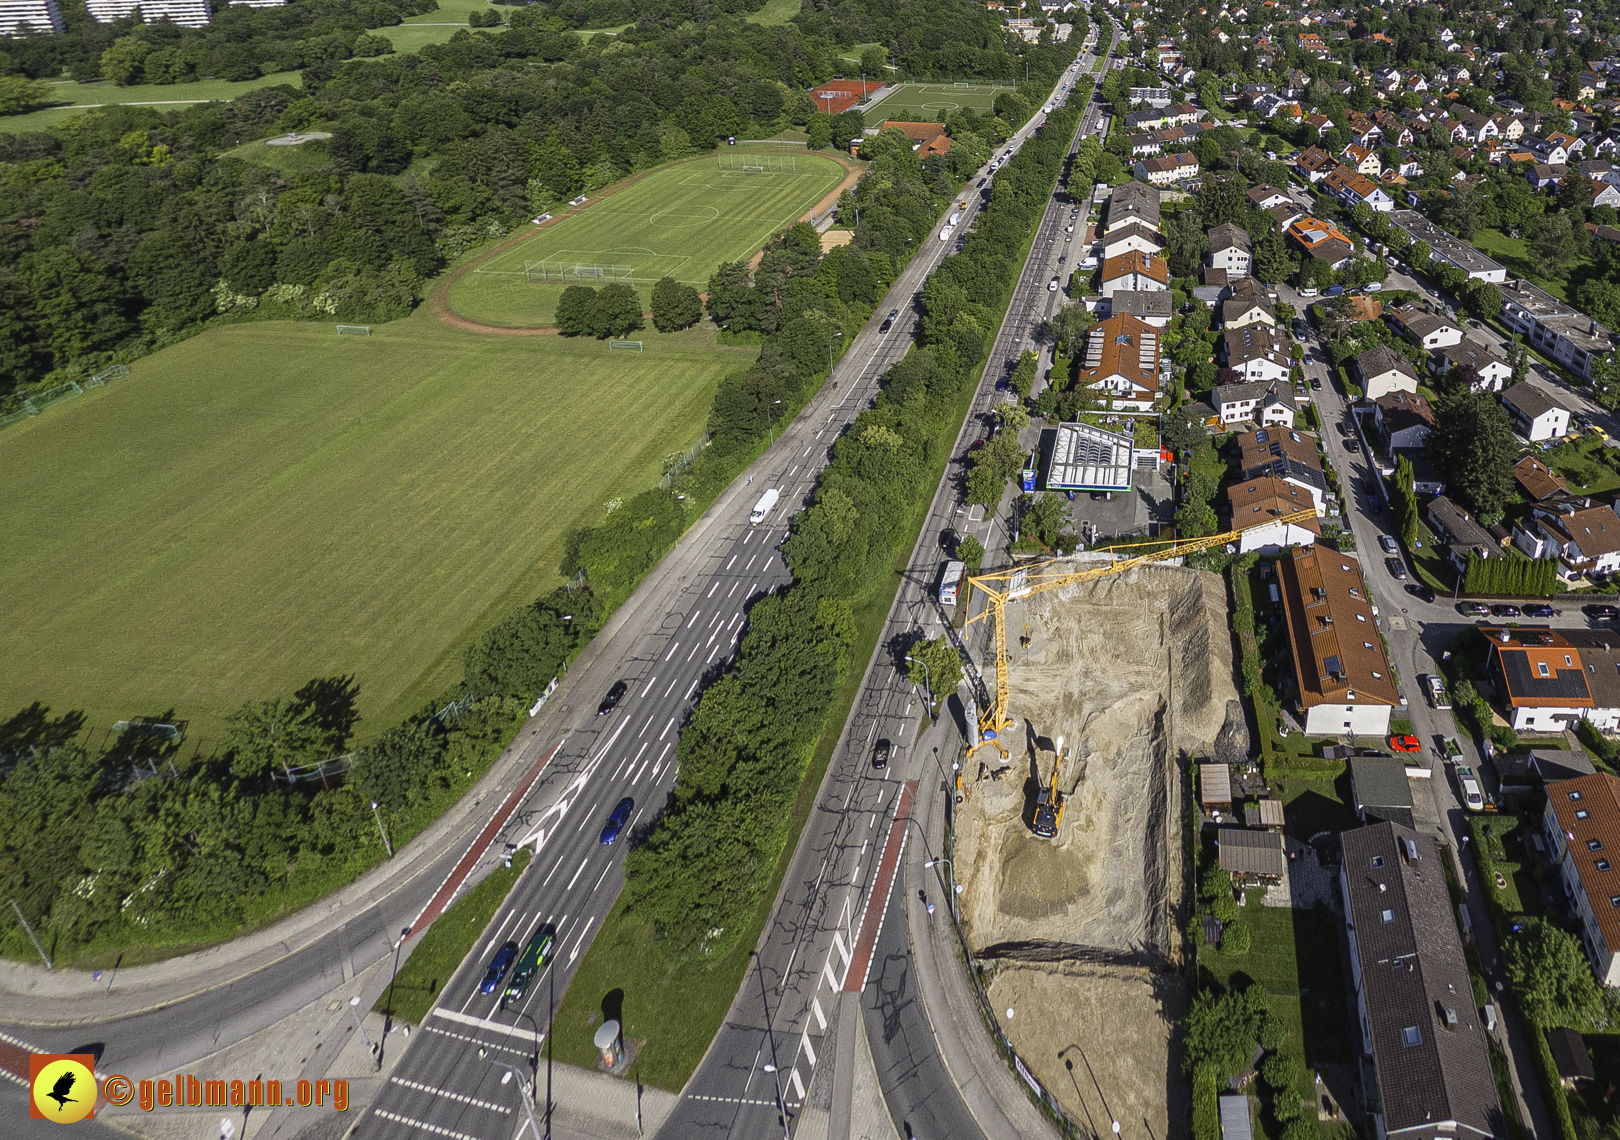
(679, 628)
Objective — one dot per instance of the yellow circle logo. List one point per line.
(65, 1091)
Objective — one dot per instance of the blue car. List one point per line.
(498, 966)
(616, 821)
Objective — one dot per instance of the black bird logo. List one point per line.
(59, 1091)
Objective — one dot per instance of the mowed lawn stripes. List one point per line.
(269, 503)
(680, 221)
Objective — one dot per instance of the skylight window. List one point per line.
(1412, 1036)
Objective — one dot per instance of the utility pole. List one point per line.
(32, 937)
(387, 846)
(354, 1012)
(773, 1068)
(523, 1092)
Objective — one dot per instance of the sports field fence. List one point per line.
(575, 271)
(39, 401)
(627, 345)
(354, 330)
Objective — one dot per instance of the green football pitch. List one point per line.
(931, 102)
(268, 503)
(680, 221)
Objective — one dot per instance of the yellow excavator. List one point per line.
(1002, 586)
(1049, 804)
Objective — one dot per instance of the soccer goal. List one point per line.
(354, 330)
(576, 271)
(963, 86)
(759, 163)
(628, 345)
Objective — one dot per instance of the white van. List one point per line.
(1307, 292)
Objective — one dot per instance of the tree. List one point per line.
(1181, 430)
(1473, 450)
(675, 306)
(1222, 1029)
(1068, 325)
(1186, 243)
(1223, 198)
(1420, 255)
(575, 310)
(278, 733)
(19, 93)
(396, 768)
(616, 312)
(1552, 977)
(1557, 242)
(1195, 519)
(971, 551)
(936, 664)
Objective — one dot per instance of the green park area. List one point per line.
(776, 12)
(70, 98)
(271, 502)
(679, 221)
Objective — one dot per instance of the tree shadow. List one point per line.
(33, 727)
(332, 701)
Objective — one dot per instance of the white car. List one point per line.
(1473, 798)
(1051, 286)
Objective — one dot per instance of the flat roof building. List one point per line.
(1447, 249)
(1089, 458)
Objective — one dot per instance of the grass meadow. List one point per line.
(930, 102)
(267, 503)
(680, 221)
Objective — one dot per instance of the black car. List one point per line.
(1601, 611)
(1346, 430)
(1396, 567)
(947, 540)
(1316, 384)
(1541, 610)
(1419, 590)
(880, 755)
(1505, 610)
(614, 696)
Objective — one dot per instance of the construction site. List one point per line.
(1069, 831)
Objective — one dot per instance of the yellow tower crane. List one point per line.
(1002, 586)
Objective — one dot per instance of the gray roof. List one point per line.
(1600, 653)
(1379, 360)
(1560, 763)
(1447, 247)
(1142, 303)
(1215, 783)
(1457, 525)
(1227, 236)
(1255, 390)
(1379, 782)
(1469, 354)
(1251, 852)
(1529, 400)
(1428, 1046)
(1569, 1054)
(1235, 1120)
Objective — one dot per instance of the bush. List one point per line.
(1236, 939)
(1206, 1105)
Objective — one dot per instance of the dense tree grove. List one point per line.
(707, 860)
(126, 228)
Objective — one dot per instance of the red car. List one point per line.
(1406, 744)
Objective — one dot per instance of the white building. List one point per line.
(29, 17)
(185, 13)
(1534, 414)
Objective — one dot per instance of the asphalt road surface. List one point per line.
(780, 1016)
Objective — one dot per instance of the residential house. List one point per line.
(1257, 351)
(1265, 196)
(1315, 163)
(1534, 413)
(1582, 827)
(1548, 151)
(1150, 96)
(1381, 370)
(1167, 169)
(1151, 306)
(1601, 193)
(1134, 270)
(1132, 237)
(1362, 159)
(1448, 250)
(1414, 997)
(1539, 674)
(1584, 538)
(1537, 480)
(1246, 310)
(1459, 532)
(1546, 175)
(1380, 791)
(1321, 240)
(927, 139)
(1422, 325)
(1289, 455)
(1122, 361)
(1556, 328)
(1258, 508)
(1490, 370)
(1404, 419)
(1267, 403)
(1134, 202)
(1343, 683)
(1230, 249)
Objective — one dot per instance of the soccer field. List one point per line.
(269, 503)
(931, 102)
(680, 221)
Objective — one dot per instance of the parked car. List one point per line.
(1405, 744)
(1387, 541)
(1603, 611)
(1473, 798)
(617, 818)
(1345, 429)
(1316, 384)
(498, 966)
(1419, 590)
(614, 696)
(1540, 610)
(1473, 609)
(1396, 568)
(1505, 610)
(880, 755)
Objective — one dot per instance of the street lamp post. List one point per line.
(771, 430)
(523, 1091)
(388, 1015)
(835, 336)
(956, 888)
(354, 1012)
(770, 1034)
(387, 846)
(928, 680)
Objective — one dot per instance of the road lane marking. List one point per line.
(482, 1044)
(815, 1008)
(577, 873)
(603, 875)
(667, 727)
(797, 1082)
(794, 471)
(695, 615)
(733, 561)
(732, 1100)
(808, 449)
(710, 659)
(642, 772)
(673, 682)
(746, 537)
(734, 586)
(483, 1023)
(450, 1133)
(832, 979)
(673, 646)
(586, 929)
(712, 589)
(751, 562)
(690, 691)
(809, 1050)
(462, 1097)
